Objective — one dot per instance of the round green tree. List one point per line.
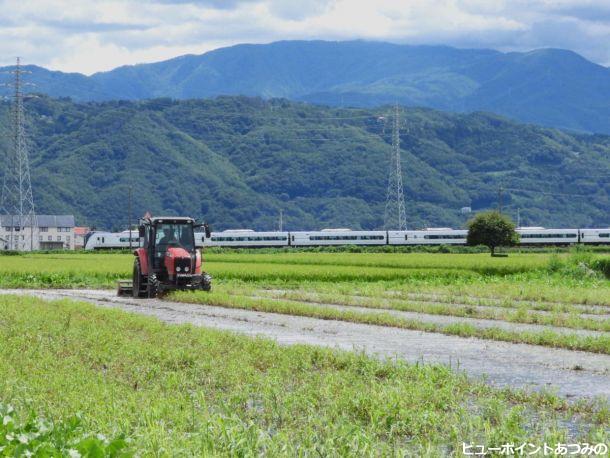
(493, 230)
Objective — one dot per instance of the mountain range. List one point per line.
(237, 161)
(550, 87)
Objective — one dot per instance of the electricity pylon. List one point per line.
(17, 200)
(395, 216)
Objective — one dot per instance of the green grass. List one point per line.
(63, 270)
(526, 275)
(479, 263)
(183, 391)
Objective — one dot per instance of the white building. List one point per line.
(51, 232)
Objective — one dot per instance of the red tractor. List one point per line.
(167, 258)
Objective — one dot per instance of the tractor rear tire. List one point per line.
(206, 283)
(137, 280)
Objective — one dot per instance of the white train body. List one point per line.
(101, 240)
(338, 237)
(542, 236)
(245, 238)
(433, 236)
(596, 236)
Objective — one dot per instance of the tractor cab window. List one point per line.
(174, 235)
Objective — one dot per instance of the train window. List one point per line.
(549, 236)
(251, 239)
(605, 235)
(346, 237)
(444, 237)
(406, 237)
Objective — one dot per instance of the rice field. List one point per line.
(106, 380)
(180, 390)
(566, 278)
(548, 299)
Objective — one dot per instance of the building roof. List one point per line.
(43, 220)
(81, 230)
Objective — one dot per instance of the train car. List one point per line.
(430, 236)
(246, 238)
(243, 238)
(328, 237)
(595, 236)
(542, 236)
(101, 240)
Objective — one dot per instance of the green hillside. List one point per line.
(237, 161)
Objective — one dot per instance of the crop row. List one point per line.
(516, 315)
(596, 344)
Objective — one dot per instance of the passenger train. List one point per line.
(245, 238)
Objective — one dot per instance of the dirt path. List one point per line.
(569, 373)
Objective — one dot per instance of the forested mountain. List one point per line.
(550, 86)
(237, 161)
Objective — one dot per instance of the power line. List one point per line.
(548, 193)
(291, 118)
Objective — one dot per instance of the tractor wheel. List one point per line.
(153, 287)
(137, 280)
(206, 283)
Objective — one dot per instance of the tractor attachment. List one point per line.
(124, 287)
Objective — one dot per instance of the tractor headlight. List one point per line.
(178, 269)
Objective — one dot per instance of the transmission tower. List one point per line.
(395, 216)
(17, 200)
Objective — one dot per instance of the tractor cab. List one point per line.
(167, 258)
(169, 239)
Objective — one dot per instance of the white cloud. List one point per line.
(95, 35)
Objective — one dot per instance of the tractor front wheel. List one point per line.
(153, 287)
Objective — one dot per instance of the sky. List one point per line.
(88, 36)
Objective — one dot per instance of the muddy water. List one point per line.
(501, 363)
